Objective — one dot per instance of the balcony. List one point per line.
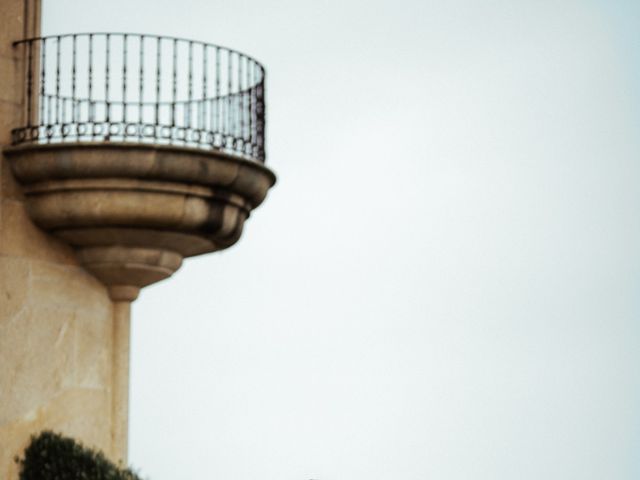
(140, 150)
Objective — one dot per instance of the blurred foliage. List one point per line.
(51, 456)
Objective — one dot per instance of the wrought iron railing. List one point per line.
(98, 87)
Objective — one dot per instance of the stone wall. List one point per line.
(56, 320)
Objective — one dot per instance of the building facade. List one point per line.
(101, 194)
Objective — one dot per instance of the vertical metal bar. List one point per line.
(49, 111)
(49, 115)
(90, 80)
(29, 82)
(141, 88)
(255, 108)
(58, 80)
(251, 102)
(211, 128)
(260, 110)
(42, 80)
(240, 99)
(106, 85)
(174, 89)
(124, 84)
(74, 113)
(190, 85)
(217, 97)
(245, 101)
(203, 123)
(254, 118)
(157, 109)
(229, 62)
(263, 113)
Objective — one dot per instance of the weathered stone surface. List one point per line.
(80, 207)
(15, 283)
(81, 413)
(64, 337)
(58, 285)
(190, 166)
(11, 190)
(9, 112)
(142, 266)
(55, 334)
(92, 354)
(55, 337)
(21, 238)
(184, 243)
(12, 14)
(167, 201)
(56, 320)
(10, 68)
(40, 345)
(120, 380)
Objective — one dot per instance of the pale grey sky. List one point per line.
(444, 283)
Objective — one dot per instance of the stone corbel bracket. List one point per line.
(132, 212)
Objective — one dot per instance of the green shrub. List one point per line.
(51, 456)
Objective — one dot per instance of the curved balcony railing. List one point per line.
(99, 87)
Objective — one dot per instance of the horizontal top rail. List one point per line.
(147, 35)
(132, 87)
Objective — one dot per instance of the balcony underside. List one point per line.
(134, 211)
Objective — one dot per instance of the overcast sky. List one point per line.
(444, 283)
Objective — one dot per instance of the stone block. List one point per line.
(10, 117)
(9, 187)
(69, 286)
(19, 237)
(12, 15)
(93, 348)
(11, 84)
(83, 414)
(15, 280)
(38, 345)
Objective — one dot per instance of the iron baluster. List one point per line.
(42, 81)
(29, 84)
(250, 108)
(260, 116)
(91, 106)
(240, 102)
(157, 106)
(124, 84)
(74, 113)
(141, 89)
(229, 87)
(217, 97)
(246, 106)
(57, 103)
(203, 114)
(174, 89)
(190, 87)
(106, 87)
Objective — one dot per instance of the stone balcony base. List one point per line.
(134, 211)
